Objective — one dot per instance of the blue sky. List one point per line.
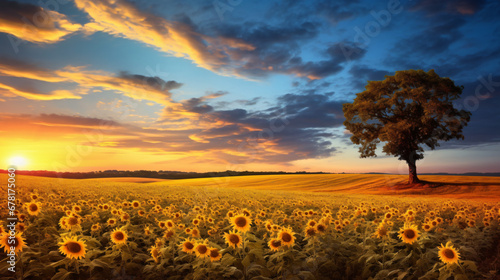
(216, 85)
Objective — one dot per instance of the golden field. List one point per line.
(328, 226)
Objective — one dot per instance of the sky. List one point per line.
(232, 84)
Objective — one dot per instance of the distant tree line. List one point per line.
(150, 174)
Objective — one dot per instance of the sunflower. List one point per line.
(125, 217)
(311, 223)
(214, 254)
(170, 224)
(188, 246)
(269, 225)
(246, 212)
(72, 247)
(20, 227)
(320, 228)
(448, 254)
(195, 232)
(111, 222)
(286, 237)
(136, 204)
(7, 243)
(427, 227)
(155, 253)
(409, 233)
(241, 223)
(22, 217)
(274, 244)
(201, 250)
(168, 234)
(381, 232)
(33, 208)
(310, 232)
(233, 239)
(95, 227)
(119, 236)
(158, 242)
(73, 223)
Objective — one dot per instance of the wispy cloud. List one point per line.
(35, 24)
(134, 86)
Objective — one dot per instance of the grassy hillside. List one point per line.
(470, 187)
(464, 187)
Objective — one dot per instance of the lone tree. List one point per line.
(406, 111)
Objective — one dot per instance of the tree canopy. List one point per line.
(411, 109)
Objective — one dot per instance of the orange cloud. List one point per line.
(54, 95)
(123, 19)
(35, 24)
(134, 86)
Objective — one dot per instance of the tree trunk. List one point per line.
(413, 172)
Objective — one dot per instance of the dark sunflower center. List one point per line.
(310, 231)
(276, 243)
(119, 235)
(240, 221)
(72, 221)
(33, 207)
(321, 228)
(388, 216)
(285, 236)
(188, 245)
(16, 242)
(234, 239)
(202, 249)
(449, 253)
(74, 247)
(409, 233)
(214, 253)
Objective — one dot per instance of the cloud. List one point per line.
(481, 98)
(298, 127)
(123, 19)
(250, 50)
(74, 121)
(462, 7)
(35, 24)
(333, 11)
(361, 74)
(10, 91)
(134, 86)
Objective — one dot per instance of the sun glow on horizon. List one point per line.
(18, 161)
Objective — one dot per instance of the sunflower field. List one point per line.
(79, 229)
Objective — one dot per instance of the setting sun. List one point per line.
(18, 161)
